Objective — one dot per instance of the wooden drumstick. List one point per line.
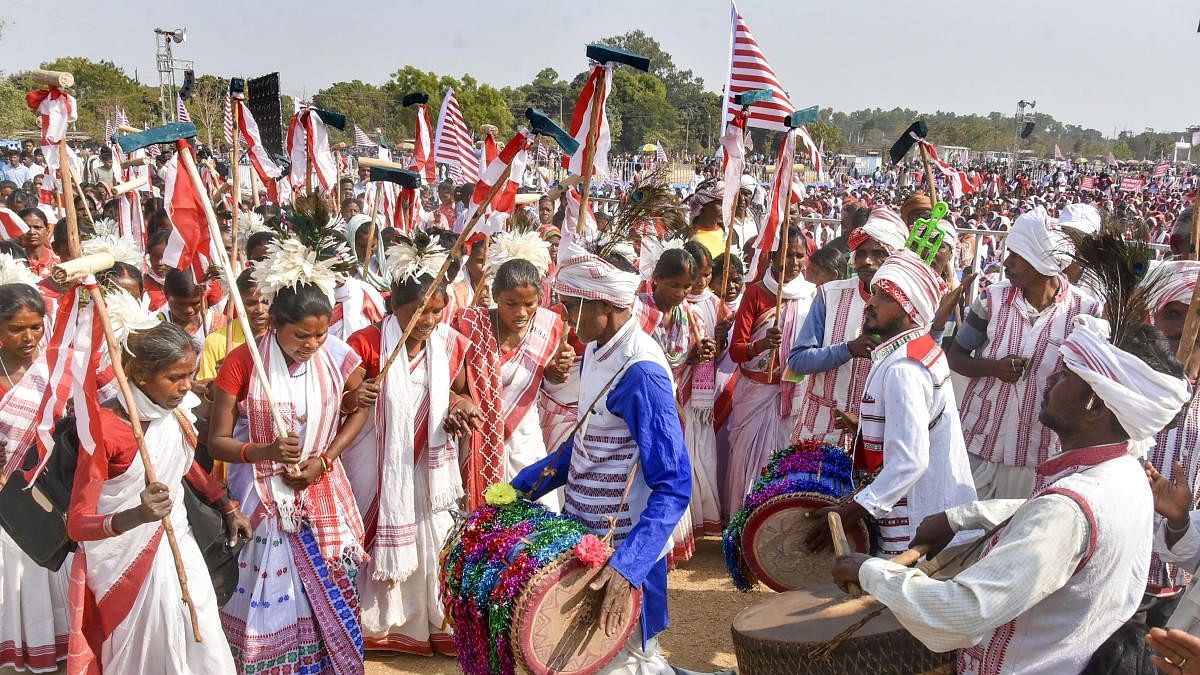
(841, 547)
(911, 556)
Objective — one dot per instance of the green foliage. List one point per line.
(100, 87)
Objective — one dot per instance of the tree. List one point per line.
(825, 132)
(100, 88)
(207, 107)
(366, 105)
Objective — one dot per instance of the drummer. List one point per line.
(631, 434)
(909, 434)
(1065, 568)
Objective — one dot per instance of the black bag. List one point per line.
(36, 518)
(208, 527)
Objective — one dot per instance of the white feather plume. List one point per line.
(16, 271)
(249, 223)
(289, 264)
(106, 226)
(653, 249)
(512, 245)
(406, 262)
(127, 314)
(112, 243)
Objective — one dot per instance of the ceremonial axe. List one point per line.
(390, 172)
(917, 131)
(542, 125)
(745, 98)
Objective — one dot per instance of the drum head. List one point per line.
(773, 541)
(556, 624)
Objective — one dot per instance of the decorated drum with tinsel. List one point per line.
(765, 541)
(514, 581)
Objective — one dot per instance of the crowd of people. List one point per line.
(996, 385)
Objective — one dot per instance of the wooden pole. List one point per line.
(783, 251)
(589, 152)
(253, 189)
(366, 261)
(441, 275)
(234, 269)
(114, 352)
(1191, 323)
(841, 547)
(929, 179)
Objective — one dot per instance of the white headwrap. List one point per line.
(884, 226)
(1082, 217)
(16, 271)
(1143, 399)
(1035, 238)
(911, 283)
(1173, 281)
(580, 274)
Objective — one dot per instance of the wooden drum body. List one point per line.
(781, 634)
(773, 542)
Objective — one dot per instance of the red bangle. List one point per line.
(245, 448)
(328, 463)
(232, 506)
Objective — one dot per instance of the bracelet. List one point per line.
(1181, 531)
(230, 507)
(244, 450)
(342, 407)
(108, 525)
(326, 462)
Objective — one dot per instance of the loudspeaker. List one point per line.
(189, 81)
(262, 98)
(1027, 129)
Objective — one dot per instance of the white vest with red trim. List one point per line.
(1062, 632)
(1000, 420)
(841, 387)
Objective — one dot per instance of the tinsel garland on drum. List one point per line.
(483, 573)
(807, 467)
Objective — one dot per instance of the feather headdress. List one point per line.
(109, 240)
(310, 224)
(650, 205)
(411, 258)
(653, 249)
(308, 252)
(16, 271)
(249, 223)
(127, 315)
(1119, 268)
(524, 245)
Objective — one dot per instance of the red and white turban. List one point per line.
(581, 274)
(884, 226)
(912, 284)
(1143, 399)
(1173, 281)
(1036, 238)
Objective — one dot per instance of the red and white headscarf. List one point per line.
(1174, 281)
(1143, 399)
(581, 274)
(884, 226)
(912, 284)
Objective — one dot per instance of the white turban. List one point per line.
(1143, 399)
(1035, 238)
(581, 274)
(884, 226)
(1082, 217)
(912, 284)
(1173, 281)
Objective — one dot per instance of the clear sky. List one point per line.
(1105, 64)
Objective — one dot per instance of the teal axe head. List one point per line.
(606, 54)
(167, 133)
(333, 119)
(753, 96)
(802, 117)
(402, 177)
(543, 125)
(926, 237)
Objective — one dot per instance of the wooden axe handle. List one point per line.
(370, 162)
(130, 185)
(52, 78)
(136, 161)
(126, 129)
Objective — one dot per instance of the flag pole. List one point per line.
(589, 152)
(235, 171)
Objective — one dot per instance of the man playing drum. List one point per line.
(1065, 568)
(626, 469)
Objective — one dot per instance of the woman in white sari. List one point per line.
(127, 616)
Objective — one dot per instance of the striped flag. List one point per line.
(122, 118)
(1161, 170)
(308, 136)
(11, 224)
(362, 140)
(581, 122)
(1057, 153)
(109, 129)
(181, 113)
(960, 184)
(453, 144)
(423, 161)
(268, 172)
(513, 155)
(660, 153)
(781, 192)
(189, 244)
(228, 122)
(1112, 160)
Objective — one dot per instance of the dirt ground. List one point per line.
(703, 603)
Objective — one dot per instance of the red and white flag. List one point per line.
(189, 246)
(56, 110)
(960, 183)
(1087, 183)
(362, 140)
(11, 224)
(86, 366)
(660, 153)
(308, 137)
(266, 168)
(1057, 153)
(228, 120)
(453, 144)
(122, 118)
(781, 198)
(181, 113)
(734, 145)
(581, 123)
(423, 162)
(1112, 160)
(491, 149)
(514, 157)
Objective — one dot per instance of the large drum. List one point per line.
(765, 541)
(514, 582)
(785, 633)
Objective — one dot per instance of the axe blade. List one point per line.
(753, 96)
(237, 85)
(606, 54)
(167, 133)
(414, 98)
(903, 144)
(333, 119)
(542, 124)
(802, 117)
(402, 177)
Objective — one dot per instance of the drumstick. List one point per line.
(841, 547)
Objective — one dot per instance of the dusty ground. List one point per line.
(703, 603)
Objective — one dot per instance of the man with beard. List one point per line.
(909, 431)
(1064, 569)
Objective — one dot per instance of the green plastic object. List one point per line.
(926, 237)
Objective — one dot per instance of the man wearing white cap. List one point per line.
(1063, 569)
(1008, 346)
(831, 347)
(632, 436)
(909, 434)
(1085, 219)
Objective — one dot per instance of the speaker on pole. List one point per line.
(1027, 129)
